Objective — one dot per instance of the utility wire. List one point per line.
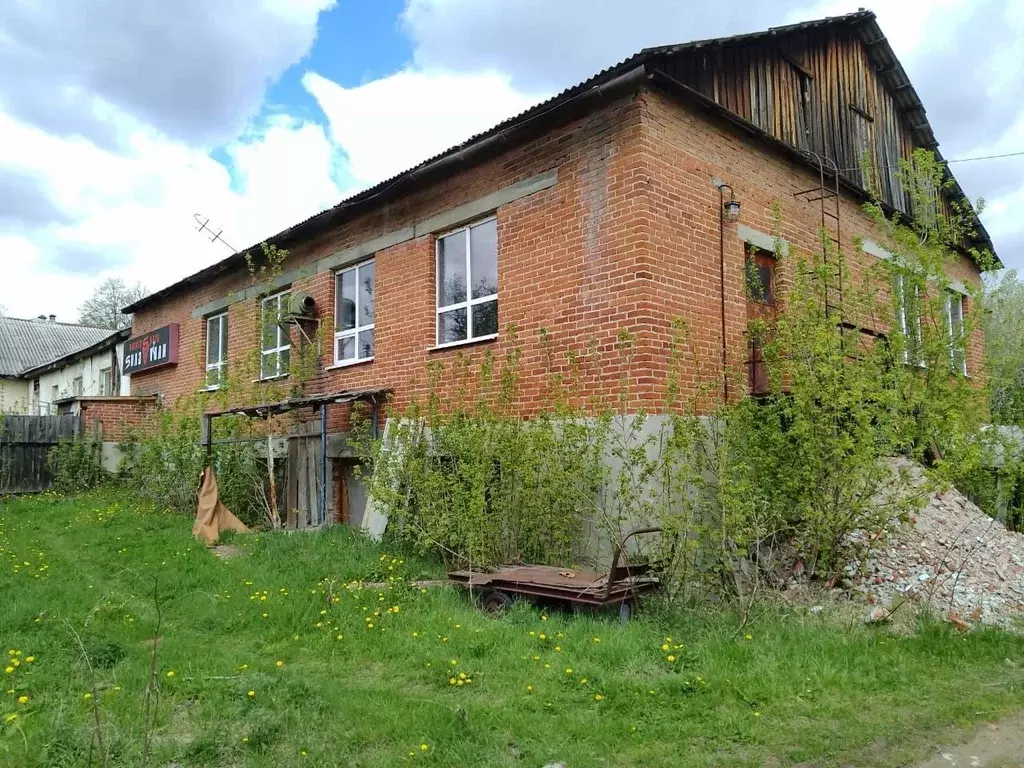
(947, 162)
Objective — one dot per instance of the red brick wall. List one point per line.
(113, 419)
(569, 261)
(626, 239)
(686, 150)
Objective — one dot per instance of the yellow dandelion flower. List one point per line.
(251, 694)
(568, 670)
(424, 747)
(23, 699)
(29, 659)
(340, 637)
(583, 681)
(279, 664)
(598, 697)
(86, 696)
(558, 649)
(451, 681)
(543, 636)
(670, 658)
(8, 670)
(597, 639)
(665, 647)
(453, 662)
(529, 689)
(757, 714)
(303, 752)
(748, 637)
(170, 673)
(395, 608)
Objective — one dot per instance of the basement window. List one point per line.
(275, 344)
(216, 350)
(955, 311)
(354, 314)
(467, 283)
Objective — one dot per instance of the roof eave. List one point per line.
(108, 343)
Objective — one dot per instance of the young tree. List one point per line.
(103, 308)
(1004, 347)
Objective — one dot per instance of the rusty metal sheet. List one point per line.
(538, 575)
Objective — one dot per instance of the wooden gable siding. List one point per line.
(815, 90)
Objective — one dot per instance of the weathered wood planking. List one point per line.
(24, 444)
(815, 90)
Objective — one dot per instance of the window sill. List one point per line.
(213, 388)
(270, 378)
(348, 363)
(463, 343)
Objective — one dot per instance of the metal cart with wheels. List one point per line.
(583, 590)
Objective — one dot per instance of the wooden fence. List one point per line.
(24, 442)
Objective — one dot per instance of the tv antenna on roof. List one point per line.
(203, 225)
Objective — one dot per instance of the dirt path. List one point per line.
(996, 745)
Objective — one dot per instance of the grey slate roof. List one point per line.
(25, 344)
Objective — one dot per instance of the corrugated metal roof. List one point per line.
(26, 344)
(882, 55)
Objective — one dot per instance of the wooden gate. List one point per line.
(24, 443)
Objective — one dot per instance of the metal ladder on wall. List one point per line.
(827, 196)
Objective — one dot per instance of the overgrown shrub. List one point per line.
(465, 477)
(167, 458)
(76, 465)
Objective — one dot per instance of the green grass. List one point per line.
(801, 688)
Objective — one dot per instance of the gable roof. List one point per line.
(628, 74)
(112, 339)
(26, 344)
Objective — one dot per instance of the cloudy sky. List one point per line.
(121, 119)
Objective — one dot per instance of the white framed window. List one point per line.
(354, 314)
(216, 350)
(467, 283)
(106, 382)
(955, 332)
(908, 306)
(77, 387)
(275, 345)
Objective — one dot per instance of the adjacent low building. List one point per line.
(44, 362)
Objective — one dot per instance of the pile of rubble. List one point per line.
(951, 555)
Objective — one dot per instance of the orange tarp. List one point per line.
(212, 517)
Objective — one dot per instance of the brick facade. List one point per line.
(626, 239)
(114, 419)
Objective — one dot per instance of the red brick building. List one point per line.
(598, 210)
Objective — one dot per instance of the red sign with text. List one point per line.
(151, 350)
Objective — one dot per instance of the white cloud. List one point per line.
(391, 124)
(132, 213)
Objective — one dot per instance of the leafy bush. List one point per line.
(76, 465)
(167, 458)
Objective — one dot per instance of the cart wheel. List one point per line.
(626, 610)
(495, 601)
